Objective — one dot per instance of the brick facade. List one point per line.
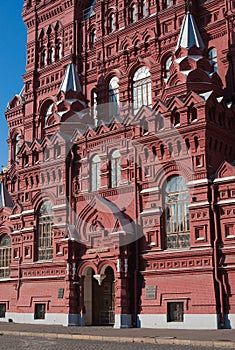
(122, 213)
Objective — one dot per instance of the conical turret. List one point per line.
(71, 81)
(190, 69)
(5, 198)
(189, 34)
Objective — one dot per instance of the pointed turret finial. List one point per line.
(71, 81)
(5, 198)
(189, 34)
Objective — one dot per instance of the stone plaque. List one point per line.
(150, 292)
(60, 293)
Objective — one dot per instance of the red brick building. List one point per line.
(118, 203)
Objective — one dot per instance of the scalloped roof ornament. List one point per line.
(189, 34)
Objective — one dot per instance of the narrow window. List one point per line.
(176, 213)
(133, 13)
(167, 67)
(5, 256)
(92, 38)
(111, 24)
(143, 9)
(2, 310)
(45, 238)
(40, 310)
(94, 106)
(212, 54)
(175, 312)
(142, 93)
(16, 146)
(95, 173)
(114, 97)
(115, 169)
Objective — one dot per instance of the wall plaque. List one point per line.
(60, 293)
(150, 292)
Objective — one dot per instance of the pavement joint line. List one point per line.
(145, 339)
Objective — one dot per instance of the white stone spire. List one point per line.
(71, 80)
(189, 34)
(5, 198)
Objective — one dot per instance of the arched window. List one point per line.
(93, 37)
(111, 23)
(212, 55)
(115, 169)
(167, 67)
(52, 54)
(59, 51)
(95, 173)
(44, 58)
(5, 256)
(142, 93)
(114, 97)
(45, 238)
(143, 10)
(176, 213)
(133, 13)
(94, 106)
(16, 146)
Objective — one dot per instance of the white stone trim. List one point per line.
(226, 201)
(224, 179)
(149, 190)
(61, 224)
(16, 216)
(50, 319)
(191, 321)
(28, 212)
(198, 204)
(27, 229)
(59, 206)
(151, 211)
(15, 232)
(198, 182)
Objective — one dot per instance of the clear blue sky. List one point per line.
(12, 62)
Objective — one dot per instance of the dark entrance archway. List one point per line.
(99, 297)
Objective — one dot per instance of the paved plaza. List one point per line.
(26, 336)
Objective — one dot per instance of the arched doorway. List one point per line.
(99, 297)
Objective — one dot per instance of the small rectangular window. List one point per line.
(40, 310)
(2, 310)
(175, 312)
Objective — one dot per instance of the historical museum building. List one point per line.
(117, 206)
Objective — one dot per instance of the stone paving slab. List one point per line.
(222, 338)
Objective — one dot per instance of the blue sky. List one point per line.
(12, 62)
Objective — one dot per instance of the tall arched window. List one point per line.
(111, 23)
(44, 58)
(114, 97)
(59, 51)
(143, 10)
(212, 55)
(176, 213)
(115, 169)
(167, 67)
(5, 256)
(95, 173)
(45, 238)
(93, 37)
(16, 146)
(142, 93)
(94, 106)
(52, 54)
(133, 13)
